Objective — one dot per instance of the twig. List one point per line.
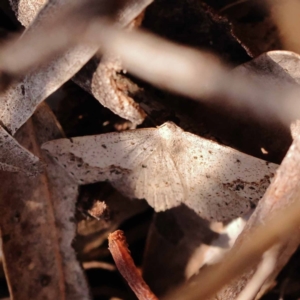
(265, 268)
(126, 266)
(230, 5)
(98, 265)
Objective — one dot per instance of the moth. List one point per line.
(168, 166)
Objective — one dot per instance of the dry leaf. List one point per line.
(278, 69)
(19, 102)
(37, 223)
(167, 167)
(110, 90)
(105, 82)
(15, 158)
(36, 86)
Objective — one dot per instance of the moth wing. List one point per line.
(221, 183)
(90, 159)
(155, 179)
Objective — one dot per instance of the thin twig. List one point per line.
(125, 264)
(98, 265)
(230, 5)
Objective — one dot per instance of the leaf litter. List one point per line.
(37, 223)
(15, 158)
(130, 176)
(25, 95)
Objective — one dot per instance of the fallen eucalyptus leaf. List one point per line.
(110, 87)
(37, 223)
(168, 166)
(15, 158)
(275, 68)
(21, 99)
(25, 96)
(104, 80)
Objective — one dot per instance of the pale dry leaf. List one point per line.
(15, 158)
(264, 270)
(19, 102)
(275, 68)
(22, 98)
(110, 87)
(179, 68)
(37, 223)
(113, 92)
(167, 167)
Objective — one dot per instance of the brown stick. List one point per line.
(125, 264)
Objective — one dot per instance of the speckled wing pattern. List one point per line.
(168, 166)
(105, 157)
(222, 182)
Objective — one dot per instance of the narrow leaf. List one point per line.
(37, 223)
(25, 95)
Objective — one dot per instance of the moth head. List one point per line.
(169, 126)
(168, 129)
